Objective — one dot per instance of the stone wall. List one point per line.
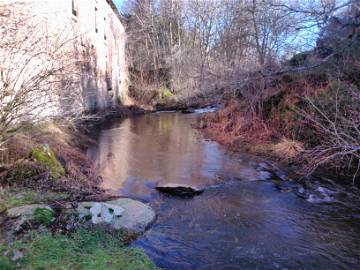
(94, 37)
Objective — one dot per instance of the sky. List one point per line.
(118, 3)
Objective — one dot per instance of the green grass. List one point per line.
(5, 262)
(16, 197)
(83, 250)
(43, 216)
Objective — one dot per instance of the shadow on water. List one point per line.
(241, 221)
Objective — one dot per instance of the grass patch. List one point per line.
(10, 198)
(90, 250)
(288, 149)
(43, 216)
(5, 262)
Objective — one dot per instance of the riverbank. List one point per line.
(46, 167)
(283, 136)
(227, 127)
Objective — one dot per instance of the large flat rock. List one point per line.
(25, 210)
(136, 216)
(24, 214)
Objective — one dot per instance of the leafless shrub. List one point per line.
(335, 120)
(38, 71)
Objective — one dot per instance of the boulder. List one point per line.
(25, 210)
(104, 212)
(25, 214)
(179, 190)
(127, 214)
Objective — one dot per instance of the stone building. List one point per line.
(94, 38)
(101, 44)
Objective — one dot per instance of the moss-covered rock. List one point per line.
(46, 158)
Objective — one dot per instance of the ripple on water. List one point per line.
(241, 221)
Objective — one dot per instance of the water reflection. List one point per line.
(160, 148)
(238, 222)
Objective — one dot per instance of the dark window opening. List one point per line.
(108, 82)
(74, 8)
(96, 28)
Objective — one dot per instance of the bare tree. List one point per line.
(38, 71)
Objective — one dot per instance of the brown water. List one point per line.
(247, 218)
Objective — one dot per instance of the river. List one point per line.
(249, 217)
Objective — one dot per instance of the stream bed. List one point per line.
(252, 215)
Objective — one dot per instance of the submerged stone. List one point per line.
(265, 175)
(179, 190)
(186, 111)
(135, 216)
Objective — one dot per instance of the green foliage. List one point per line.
(165, 92)
(84, 250)
(46, 158)
(43, 216)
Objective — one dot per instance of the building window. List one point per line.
(74, 6)
(96, 26)
(108, 81)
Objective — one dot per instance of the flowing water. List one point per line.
(249, 217)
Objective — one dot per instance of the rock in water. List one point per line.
(186, 111)
(265, 175)
(136, 216)
(179, 190)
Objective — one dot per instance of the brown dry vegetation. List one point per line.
(20, 170)
(309, 117)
